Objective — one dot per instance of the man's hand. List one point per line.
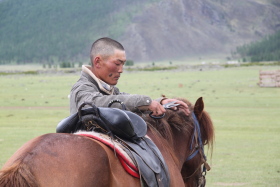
(182, 105)
(156, 108)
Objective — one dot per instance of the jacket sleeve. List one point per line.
(91, 93)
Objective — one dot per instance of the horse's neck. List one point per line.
(180, 146)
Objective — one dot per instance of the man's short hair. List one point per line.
(104, 47)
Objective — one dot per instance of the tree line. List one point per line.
(268, 49)
(58, 31)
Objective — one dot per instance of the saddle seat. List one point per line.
(122, 123)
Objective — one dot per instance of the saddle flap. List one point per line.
(150, 162)
(147, 155)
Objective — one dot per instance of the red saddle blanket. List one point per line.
(124, 159)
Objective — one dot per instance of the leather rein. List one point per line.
(198, 148)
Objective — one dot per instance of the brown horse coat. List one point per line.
(70, 160)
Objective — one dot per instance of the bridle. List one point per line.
(198, 147)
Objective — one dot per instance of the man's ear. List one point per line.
(96, 62)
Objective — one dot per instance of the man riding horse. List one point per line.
(97, 82)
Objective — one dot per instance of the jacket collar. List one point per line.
(109, 89)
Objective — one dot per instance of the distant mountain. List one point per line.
(51, 31)
(172, 29)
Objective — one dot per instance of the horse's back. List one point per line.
(68, 160)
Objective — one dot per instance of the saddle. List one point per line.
(129, 129)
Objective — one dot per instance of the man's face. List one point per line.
(109, 69)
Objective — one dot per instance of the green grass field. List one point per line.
(246, 116)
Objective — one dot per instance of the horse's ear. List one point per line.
(198, 107)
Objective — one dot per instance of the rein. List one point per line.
(198, 148)
(196, 136)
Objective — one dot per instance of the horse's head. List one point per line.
(195, 166)
(184, 137)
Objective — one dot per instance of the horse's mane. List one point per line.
(173, 119)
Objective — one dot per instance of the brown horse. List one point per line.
(71, 160)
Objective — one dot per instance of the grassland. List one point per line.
(246, 117)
